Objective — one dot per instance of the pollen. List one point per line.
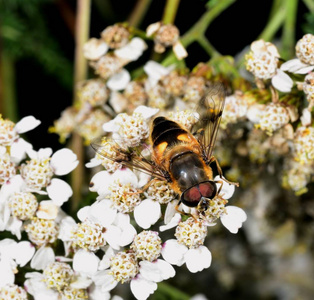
(115, 36)
(305, 49)
(89, 236)
(215, 209)
(71, 293)
(37, 173)
(133, 129)
(124, 266)
(58, 275)
(12, 292)
(42, 232)
(23, 205)
(7, 168)
(262, 60)
(160, 191)
(303, 145)
(93, 92)
(274, 117)
(191, 233)
(185, 117)
(124, 197)
(7, 133)
(147, 245)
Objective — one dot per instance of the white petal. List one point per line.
(19, 149)
(96, 293)
(173, 252)
(146, 111)
(47, 210)
(113, 125)
(176, 219)
(179, 50)
(155, 70)
(83, 213)
(100, 183)
(105, 280)
(15, 184)
(105, 261)
(170, 211)
(147, 213)
(127, 235)
(227, 189)
(65, 228)
(26, 124)
(198, 259)
(153, 28)
(132, 51)
(255, 112)
(118, 102)
(59, 191)
(42, 258)
(119, 81)
(94, 49)
(306, 118)
(63, 161)
(282, 82)
(141, 288)
(112, 236)
(233, 218)
(102, 213)
(23, 252)
(81, 282)
(6, 274)
(85, 262)
(44, 153)
(296, 66)
(156, 271)
(94, 162)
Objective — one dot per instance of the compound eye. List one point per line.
(208, 189)
(191, 197)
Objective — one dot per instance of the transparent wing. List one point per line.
(210, 109)
(132, 158)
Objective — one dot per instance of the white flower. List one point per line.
(296, 66)
(119, 81)
(281, 81)
(13, 254)
(196, 259)
(95, 48)
(155, 72)
(143, 283)
(132, 51)
(233, 218)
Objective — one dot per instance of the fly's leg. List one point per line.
(184, 213)
(214, 159)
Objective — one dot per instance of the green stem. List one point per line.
(80, 73)
(172, 292)
(310, 5)
(275, 6)
(137, 15)
(170, 11)
(8, 96)
(273, 25)
(207, 46)
(288, 33)
(198, 30)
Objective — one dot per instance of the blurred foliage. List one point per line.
(308, 27)
(25, 33)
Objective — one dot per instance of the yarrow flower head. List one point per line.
(131, 129)
(12, 292)
(274, 117)
(147, 245)
(58, 275)
(262, 61)
(305, 49)
(303, 144)
(23, 205)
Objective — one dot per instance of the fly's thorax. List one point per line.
(188, 169)
(167, 139)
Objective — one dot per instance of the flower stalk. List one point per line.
(170, 11)
(80, 73)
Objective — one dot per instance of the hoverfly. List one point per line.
(179, 156)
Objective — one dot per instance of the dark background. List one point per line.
(43, 94)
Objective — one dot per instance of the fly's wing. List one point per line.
(132, 158)
(210, 109)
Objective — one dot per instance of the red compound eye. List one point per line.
(192, 195)
(207, 189)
